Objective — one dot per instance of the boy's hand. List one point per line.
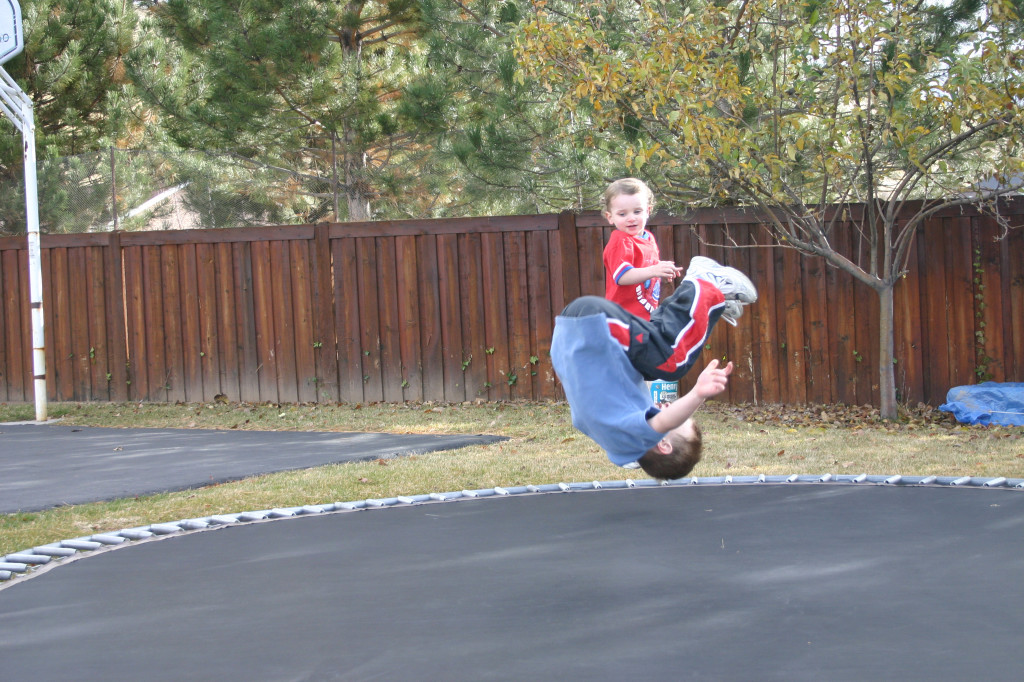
(667, 269)
(713, 380)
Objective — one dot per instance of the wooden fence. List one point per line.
(456, 310)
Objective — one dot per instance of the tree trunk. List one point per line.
(886, 354)
(358, 204)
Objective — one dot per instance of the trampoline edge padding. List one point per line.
(24, 564)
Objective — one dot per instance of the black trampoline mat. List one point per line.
(734, 582)
(48, 465)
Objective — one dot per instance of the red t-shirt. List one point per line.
(623, 253)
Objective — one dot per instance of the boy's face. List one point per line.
(687, 431)
(629, 213)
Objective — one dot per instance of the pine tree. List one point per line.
(501, 133)
(73, 69)
(307, 85)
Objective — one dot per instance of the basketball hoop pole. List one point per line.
(18, 107)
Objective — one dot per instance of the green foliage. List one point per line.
(157, 191)
(303, 85)
(391, 109)
(73, 67)
(806, 103)
(501, 136)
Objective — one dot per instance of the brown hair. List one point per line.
(676, 464)
(627, 186)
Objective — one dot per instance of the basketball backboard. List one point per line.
(12, 39)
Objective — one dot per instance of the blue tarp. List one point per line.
(987, 403)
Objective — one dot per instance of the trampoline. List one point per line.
(768, 578)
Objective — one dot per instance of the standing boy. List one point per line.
(602, 354)
(632, 264)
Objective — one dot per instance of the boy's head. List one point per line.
(627, 205)
(675, 455)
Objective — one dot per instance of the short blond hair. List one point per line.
(629, 186)
(686, 452)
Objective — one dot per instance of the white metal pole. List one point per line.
(35, 261)
(17, 106)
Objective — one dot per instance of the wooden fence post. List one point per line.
(117, 349)
(325, 336)
(570, 255)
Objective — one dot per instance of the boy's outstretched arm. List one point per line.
(712, 381)
(664, 269)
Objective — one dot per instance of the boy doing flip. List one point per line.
(603, 354)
